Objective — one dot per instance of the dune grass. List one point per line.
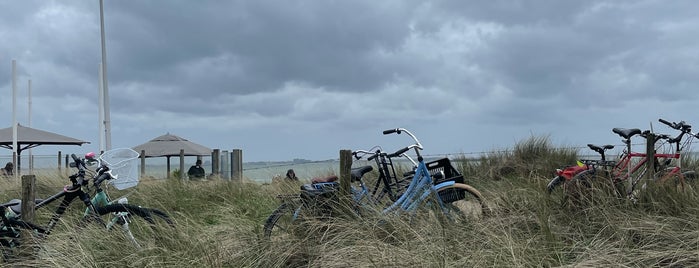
(219, 224)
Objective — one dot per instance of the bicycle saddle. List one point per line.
(600, 149)
(626, 133)
(17, 205)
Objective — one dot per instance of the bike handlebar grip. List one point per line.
(386, 132)
(75, 158)
(372, 157)
(399, 152)
(666, 122)
(101, 178)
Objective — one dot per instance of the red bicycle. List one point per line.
(632, 166)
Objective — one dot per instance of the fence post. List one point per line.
(28, 205)
(345, 177)
(225, 166)
(650, 155)
(237, 164)
(59, 161)
(28, 196)
(216, 162)
(182, 172)
(143, 162)
(67, 161)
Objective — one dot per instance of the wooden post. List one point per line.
(183, 175)
(31, 164)
(650, 155)
(67, 161)
(216, 162)
(59, 161)
(143, 162)
(28, 196)
(345, 196)
(345, 179)
(225, 166)
(28, 206)
(237, 164)
(168, 166)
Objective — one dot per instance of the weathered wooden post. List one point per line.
(183, 175)
(216, 162)
(345, 178)
(225, 165)
(650, 155)
(28, 205)
(59, 161)
(143, 162)
(168, 166)
(237, 164)
(28, 196)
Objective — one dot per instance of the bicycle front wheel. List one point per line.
(138, 224)
(463, 201)
(279, 224)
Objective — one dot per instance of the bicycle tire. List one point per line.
(278, 224)
(553, 183)
(678, 180)
(472, 205)
(10, 236)
(129, 217)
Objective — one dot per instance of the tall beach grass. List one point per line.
(219, 224)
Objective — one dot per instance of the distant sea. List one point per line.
(256, 171)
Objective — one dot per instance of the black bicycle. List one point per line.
(116, 213)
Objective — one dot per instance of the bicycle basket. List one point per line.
(450, 174)
(123, 162)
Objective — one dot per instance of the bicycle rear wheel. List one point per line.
(10, 237)
(463, 201)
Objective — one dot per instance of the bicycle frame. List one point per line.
(421, 186)
(625, 170)
(68, 194)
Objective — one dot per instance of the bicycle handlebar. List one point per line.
(399, 130)
(395, 130)
(667, 122)
(681, 126)
(79, 178)
(399, 152)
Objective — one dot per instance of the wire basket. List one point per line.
(450, 174)
(123, 162)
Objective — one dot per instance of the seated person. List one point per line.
(291, 175)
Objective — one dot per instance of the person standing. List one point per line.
(196, 171)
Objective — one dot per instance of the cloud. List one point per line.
(323, 73)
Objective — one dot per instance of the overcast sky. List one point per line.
(304, 79)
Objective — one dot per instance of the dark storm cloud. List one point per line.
(261, 44)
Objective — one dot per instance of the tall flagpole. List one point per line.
(101, 110)
(29, 122)
(14, 119)
(107, 122)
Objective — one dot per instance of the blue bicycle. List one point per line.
(435, 184)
